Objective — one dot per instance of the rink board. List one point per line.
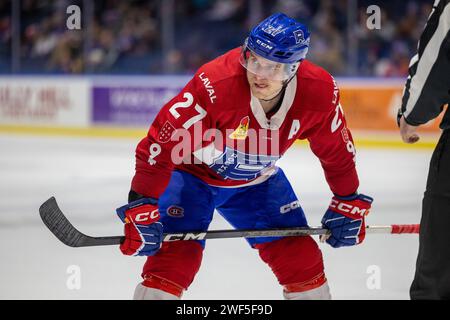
(125, 106)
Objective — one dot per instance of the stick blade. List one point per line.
(60, 226)
(57, 223)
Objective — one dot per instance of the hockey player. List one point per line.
(214, 146)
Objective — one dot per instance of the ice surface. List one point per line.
(91, 177)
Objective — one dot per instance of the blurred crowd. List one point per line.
(177, 36)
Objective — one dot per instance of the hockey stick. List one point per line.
(60, 226)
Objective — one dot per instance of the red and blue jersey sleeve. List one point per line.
(174, 134)
(331, 141)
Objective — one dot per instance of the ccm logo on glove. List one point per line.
(143, 232)
(345, 220)
(343, 207)
(146, 216)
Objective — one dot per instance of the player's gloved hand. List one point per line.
(143, 232)
(345, 219)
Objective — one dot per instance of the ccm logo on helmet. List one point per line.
(142, 217)
(263, 44)
(348, 208)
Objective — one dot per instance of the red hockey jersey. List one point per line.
(218, 131)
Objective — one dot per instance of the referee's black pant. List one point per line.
(432, 277)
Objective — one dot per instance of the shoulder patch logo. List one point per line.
(241, 131)
(165, 133)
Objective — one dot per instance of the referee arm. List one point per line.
(427, 88)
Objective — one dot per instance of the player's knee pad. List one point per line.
(296, 262)
(318, 293)
(145, 293)
(174, 267)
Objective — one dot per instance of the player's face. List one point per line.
(261, 77)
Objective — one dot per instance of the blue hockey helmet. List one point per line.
(280, 39)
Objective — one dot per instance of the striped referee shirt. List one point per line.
(427, 88)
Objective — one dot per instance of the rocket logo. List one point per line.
(241, 132)
(299, 36)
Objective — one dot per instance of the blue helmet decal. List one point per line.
(280, 38)
(299, 36)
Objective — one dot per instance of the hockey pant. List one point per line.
(188, 204)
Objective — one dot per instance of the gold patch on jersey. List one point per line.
(241, 132)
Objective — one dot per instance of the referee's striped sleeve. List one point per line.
(427, 88)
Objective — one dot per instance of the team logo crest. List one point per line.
(299, 36)
(241, 132)
(165, 133)
(175, 211)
